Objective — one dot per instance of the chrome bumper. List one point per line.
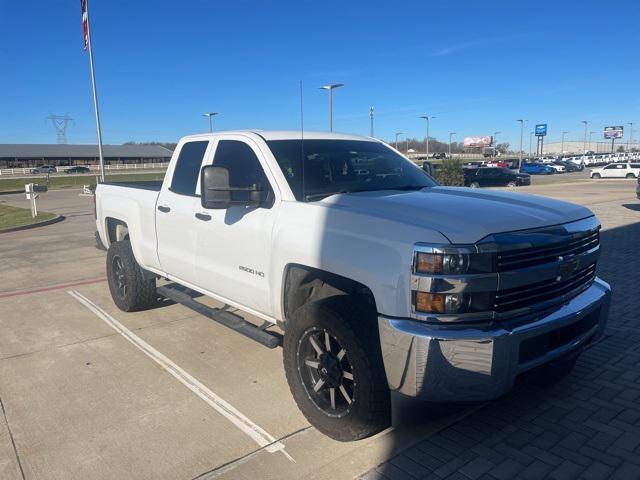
(464, 363)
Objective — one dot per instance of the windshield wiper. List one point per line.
(318, 196)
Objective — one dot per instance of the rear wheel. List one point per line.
(512, 184)
(336, 375)
(630, 175)
(474, 185)
(596, 176)
(129, 289)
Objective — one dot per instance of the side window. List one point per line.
(244, 168)
(185, 175)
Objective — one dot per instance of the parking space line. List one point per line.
(242, 422)
(48, 288)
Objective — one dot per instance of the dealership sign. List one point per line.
(477, 142)
(541, 129)
(613, 132)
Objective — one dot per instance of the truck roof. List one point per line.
(289, 135)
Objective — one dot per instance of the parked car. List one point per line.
(78, 169)
(570, 166)
(638, 188)
(537, 169)
(44, 169)
(440, 155)
(378, 283)
(494, 177)
(617, 170)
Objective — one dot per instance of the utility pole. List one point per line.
(495, 147)
(406, 145)
(210, 115)
(330, 89)
(60, 123)
(586, 127)
(451, 134)
(371, 116)
(590, 133)
(397, 135)
(629, 141)
(522, 122)
(426, 139)
(530, 140)
(562, 144)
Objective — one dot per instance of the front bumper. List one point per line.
(465, 363)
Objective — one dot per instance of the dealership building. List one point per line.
(33, 155)
(578, 146)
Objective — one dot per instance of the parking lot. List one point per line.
(87, 391)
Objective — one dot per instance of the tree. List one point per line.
(620, 149)
(502, 147)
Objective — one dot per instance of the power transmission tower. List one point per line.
(60, 124)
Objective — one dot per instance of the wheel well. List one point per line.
(116, 230)
(306, 284)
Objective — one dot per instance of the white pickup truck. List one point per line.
(379, 279)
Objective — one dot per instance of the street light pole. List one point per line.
(629, 142)
(371, 115)
(562, 144)
(398, 134)
(330, 88)
(426, 139)
(522, 122)
(590, 133)
(495, 147)
(210, 115)
(586, 127)
(530, 140)
(451, 134)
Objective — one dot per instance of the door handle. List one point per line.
(205, 217)
(164, 209)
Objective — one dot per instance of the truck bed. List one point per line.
(154, 185)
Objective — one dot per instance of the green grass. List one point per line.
(72, 181)
(14, 217)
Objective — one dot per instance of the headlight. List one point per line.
(449, 281)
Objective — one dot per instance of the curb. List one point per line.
(11, 192)
(51, 221)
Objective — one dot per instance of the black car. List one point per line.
(494, 177)
(569, 166)
(77, 170)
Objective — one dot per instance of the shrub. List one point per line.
(451, 173)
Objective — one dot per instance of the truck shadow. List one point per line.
(513, 427)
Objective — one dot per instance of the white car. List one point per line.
(557, 168)
(379, 281)
(617, 170)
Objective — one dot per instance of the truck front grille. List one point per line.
(527, 257)
(535, 293)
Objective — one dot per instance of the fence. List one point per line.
(96, 168)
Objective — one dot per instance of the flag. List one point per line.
(85, 23)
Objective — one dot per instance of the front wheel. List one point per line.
(129, 289)
(474, 185)
(512, 184)
(334, 368)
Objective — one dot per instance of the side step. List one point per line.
(228, 319)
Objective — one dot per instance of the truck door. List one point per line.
(175, 223)
(234, 244)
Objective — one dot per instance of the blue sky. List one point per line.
(476, 65)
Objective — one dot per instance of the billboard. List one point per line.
(613, 132)
(477, 142)
(541, 129)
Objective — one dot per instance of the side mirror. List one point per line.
(216, 192)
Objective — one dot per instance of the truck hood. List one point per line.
(462, 215)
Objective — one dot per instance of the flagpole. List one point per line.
(95, 94)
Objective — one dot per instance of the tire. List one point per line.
(129, 290)
(554, 372)
(596, 176)
(474, 185)
(512, 184)
(630, 175)
(369, 409)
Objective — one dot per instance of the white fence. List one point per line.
(61, 169)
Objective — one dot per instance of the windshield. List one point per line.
(342, 166)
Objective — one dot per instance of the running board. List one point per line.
(228, 319)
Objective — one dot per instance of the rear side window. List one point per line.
(185, 175)
(635, 165)
(244, 168)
